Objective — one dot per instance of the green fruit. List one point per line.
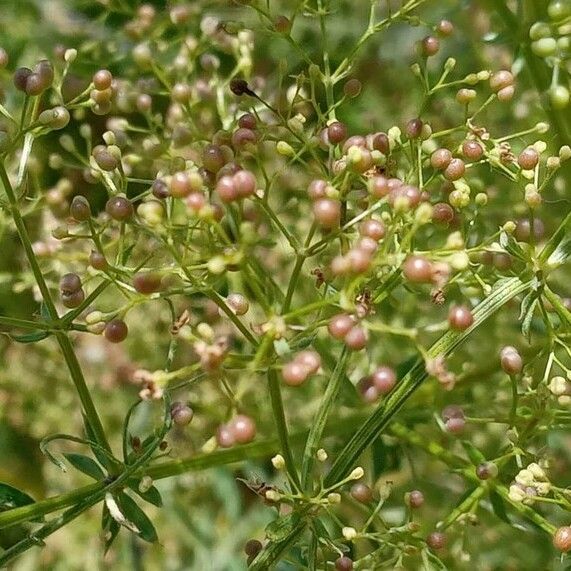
(559, 97)
(539, 30)
(545, 47)
(559, 9)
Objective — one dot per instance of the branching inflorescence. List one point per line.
(295, 288)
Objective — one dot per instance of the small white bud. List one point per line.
(516, 494)
(321, 455)
(524, 477)
(537, 471)
(349, 533)
(334, 498)
(558, 386)
(70, 55)
(273, 496)
(357, 473)
(278, 462)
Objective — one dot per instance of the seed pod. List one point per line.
(97, 260)
(294, 373)
(472, 150)
(119, 208)
(147, 282)
(181, 414)
(69, 283)
(384, 378)
(417, 269)
(362, 493)
(352, 88)
(80, 208)
(327, 212)
(436, 540)
(73, 299)
(415, 499)
(528, 158)
(337, 132)
(440, 158)
(343, 563)
(511, 361)
(339, 325)
(460, 317)
(356, 339)
(116, 331)
(562, 539)
(243, 429)
(102, 79)
(21, 77)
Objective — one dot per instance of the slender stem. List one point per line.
(316, 431)
(299, 260)
(281, 425)
(61, 336)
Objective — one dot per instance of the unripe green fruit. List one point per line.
(544, 47)
(559, 97)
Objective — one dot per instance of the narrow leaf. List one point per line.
(129, 508)
(526, 323)
(86, 465)
(476, 457)
(152, 495)
(115, 511)
(32, 337)
(281, 527)
(499, 507)
(11, 497)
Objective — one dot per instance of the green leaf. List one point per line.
(152, 495)
(526, 323)
(280, 528)
(562, 253)
(102, 458)
(134, 514)
(110, 528)
(11, 497)
(86, 465)
(32, 337)
(508, 243)
(44, 312)
(476, 457)
(498, 506)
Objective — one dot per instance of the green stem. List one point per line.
(281, 425)
(316, 431)
(62, 338)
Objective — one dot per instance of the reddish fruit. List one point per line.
(327, 212)
(415, 499)
(362, 493)
(119, 208)
(436, 540)
(562, 539)
(384, 378)
(294, 373)
(339, 325)
(460, 317)
(243, 429)
(147, 282)
(356, 339)
(417, 269)
(116, 331)
(472, 150)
